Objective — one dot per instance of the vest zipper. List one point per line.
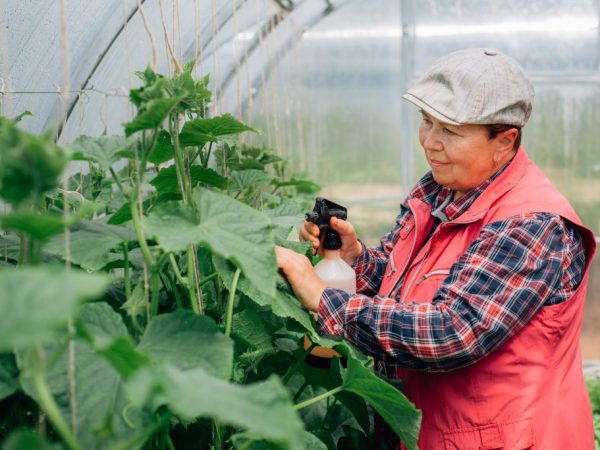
(417, 271)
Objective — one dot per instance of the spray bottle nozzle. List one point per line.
(321, 215)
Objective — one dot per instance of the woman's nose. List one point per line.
(431, 141)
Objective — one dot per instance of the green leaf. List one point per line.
(304, 186)
(104, 415)
(282, 304)
(400, 414)
(198, 132)
(231, 229)
(197, 94)
(250, 179)
(35, 302)
(28, 439)
(9, 382)
(103, 150)
(29, 165)
(189, 341)
(163, 150)
(89, 247)
(166, 180)
(264, 409)
(105, 330)
(248, 326)
(286, 215)
(38, 226)
(153, 115)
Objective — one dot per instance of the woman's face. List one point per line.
(462, 157)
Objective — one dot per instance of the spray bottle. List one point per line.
(332, 269)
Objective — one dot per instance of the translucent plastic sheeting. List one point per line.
(106, 42)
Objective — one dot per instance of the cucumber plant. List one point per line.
(141, 302)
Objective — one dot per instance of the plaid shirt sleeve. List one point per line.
(513, 269)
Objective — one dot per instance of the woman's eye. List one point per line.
(448, 131)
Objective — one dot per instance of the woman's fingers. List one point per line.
(310, 232)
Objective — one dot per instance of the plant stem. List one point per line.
(170, 442)
(126, 275)
(205, 162)
(116, 178)
(155, 289)
(208, 278)
(300, 391)
(49, 406)
(297, 364)
(318, 398)
(173, 287)
(191, 277)
(184, 181)
(139, 229)
(229, 316)
(217, 438)
(176, 271)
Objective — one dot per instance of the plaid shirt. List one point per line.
(515, 267)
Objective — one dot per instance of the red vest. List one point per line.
(530, 392)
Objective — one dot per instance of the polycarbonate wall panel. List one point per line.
(332, 106)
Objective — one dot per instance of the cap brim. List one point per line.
(429, 110)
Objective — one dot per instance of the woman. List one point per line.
(475, 297)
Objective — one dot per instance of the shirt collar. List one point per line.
(440, 197)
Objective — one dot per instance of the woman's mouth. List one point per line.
(435, 163)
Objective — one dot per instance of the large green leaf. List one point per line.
(231, 229)
(105, 330)
(35, 302)
(198, 132)
(103, 150)
(249, 327)
(38, 226)
(166, 180)
(264, 409)
(189, 341)
(282, 304)
(287, 214)
(9, 382)
(89, 246)
(163, 150)
(104, 416)
(153, 115)
(400, 414)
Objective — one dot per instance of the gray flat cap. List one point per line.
(474, 86)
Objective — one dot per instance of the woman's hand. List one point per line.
(298, 270)
(351, 246)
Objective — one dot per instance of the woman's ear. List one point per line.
(506, 139)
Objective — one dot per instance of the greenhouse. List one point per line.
(299, 224)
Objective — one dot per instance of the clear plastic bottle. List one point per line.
(335, 273)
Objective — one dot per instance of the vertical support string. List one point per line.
(150, 35)
(170, 52)
(64, 93)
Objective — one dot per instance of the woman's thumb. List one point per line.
(341, 226)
